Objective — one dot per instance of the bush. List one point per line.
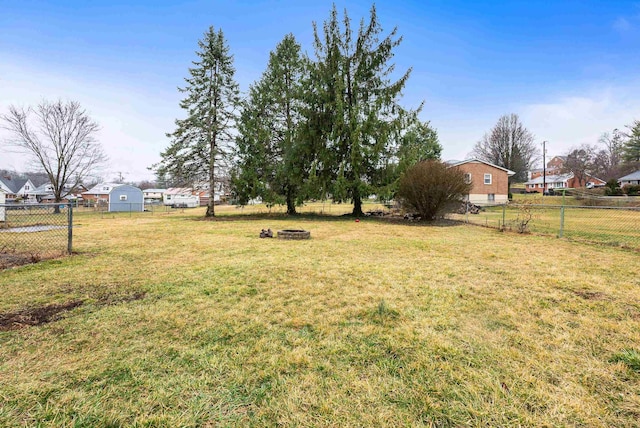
(432, 188)
(612, 188)
(631, 189)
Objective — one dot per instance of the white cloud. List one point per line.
(571, 120)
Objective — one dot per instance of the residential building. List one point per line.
(17, 189)
(115, 197)
(490, 183)
(632, 179)
(153, 196)
(183, 197)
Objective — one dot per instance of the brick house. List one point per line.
(490, 182)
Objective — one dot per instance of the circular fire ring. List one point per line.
(294, 234)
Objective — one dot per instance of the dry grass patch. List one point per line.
(365, 324)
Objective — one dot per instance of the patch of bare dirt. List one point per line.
(44, 314)
(35, 316)
(13, 260)
(591, 295)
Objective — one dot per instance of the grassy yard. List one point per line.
(169, 320)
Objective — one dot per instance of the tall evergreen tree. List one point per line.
(631, 149)
(269, 163)
(200, 143)
(417, 141)
(353, 106)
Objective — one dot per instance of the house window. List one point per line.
(26, 187)
(492, 197)
(467, 178)
(105, 188)
(123, 197)
(487, 179)
(168, 197)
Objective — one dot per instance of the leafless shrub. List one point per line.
(431, 188)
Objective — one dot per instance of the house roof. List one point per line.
(14, 185)
(508, 171)
(560, 178)
(98, 189)
(563, 157)
(41, 190)
(632, 176)
(155, 190)
(179, 191)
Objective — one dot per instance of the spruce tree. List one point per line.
(631, 148)
(269, 160)
(353, 109)
(200, 144)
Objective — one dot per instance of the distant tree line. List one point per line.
(330, 126)
(510, 145)
(616, 154)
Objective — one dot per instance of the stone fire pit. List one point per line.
(294, 234)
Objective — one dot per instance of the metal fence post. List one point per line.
(504, 215)
(562, 217)
(70, 229)
(466, 211)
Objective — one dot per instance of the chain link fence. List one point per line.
(29, 233)
(610, 225)
(124, 210)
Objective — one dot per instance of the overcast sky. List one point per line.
(570, 69)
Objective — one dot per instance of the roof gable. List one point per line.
(476, 160)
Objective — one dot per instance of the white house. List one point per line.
(183, 197)
(17, 188)
(540, 184)
(630, 180)
(153, 195)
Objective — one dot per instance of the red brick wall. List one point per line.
(499, 178)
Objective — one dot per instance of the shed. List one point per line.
(118, 197)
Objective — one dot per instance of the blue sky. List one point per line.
(570, 69)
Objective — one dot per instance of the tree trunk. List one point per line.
(291, 203)
(56, 208)
(211, 211)
(357, 203)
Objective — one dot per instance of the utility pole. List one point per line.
(544, 167)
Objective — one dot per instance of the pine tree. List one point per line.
(353, 106)
(200, 144)
(269, 162)
(631, 149)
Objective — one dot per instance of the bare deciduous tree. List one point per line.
(580, 163)
(509, 145)
(60, 137)
(607, 162)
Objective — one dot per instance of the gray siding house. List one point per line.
(630, 180)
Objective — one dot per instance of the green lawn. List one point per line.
(175, 321)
